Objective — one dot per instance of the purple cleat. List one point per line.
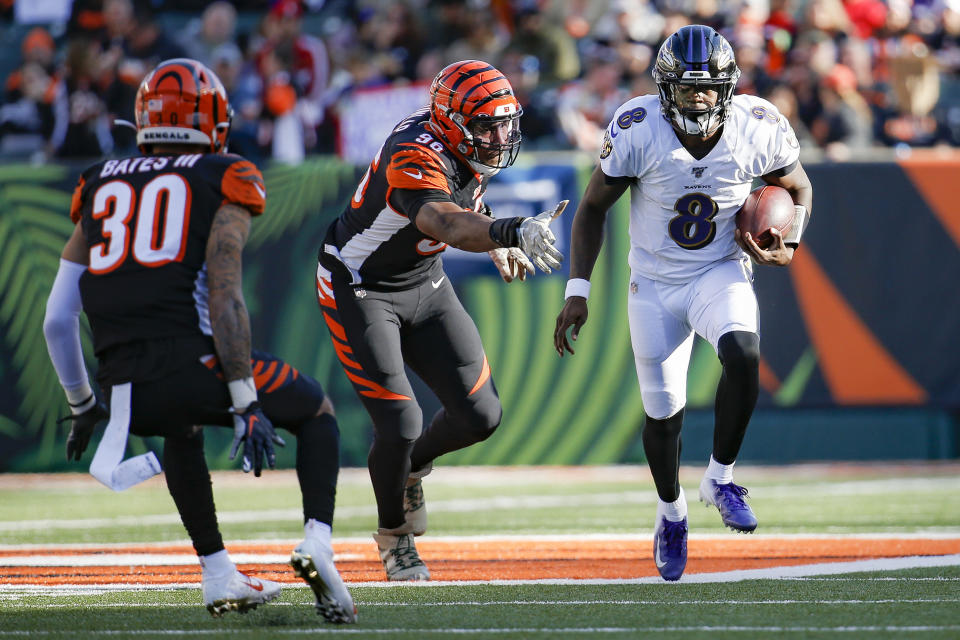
(670, 548)
(728, 499)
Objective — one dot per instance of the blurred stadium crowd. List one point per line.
(850, 74)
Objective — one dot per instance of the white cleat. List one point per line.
(313, 561)
(400, 558)
(236, 592)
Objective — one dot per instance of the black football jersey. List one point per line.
(375, 241)
(146, 220)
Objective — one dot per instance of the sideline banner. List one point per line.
(861, 320)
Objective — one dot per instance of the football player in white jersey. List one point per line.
(689, 157)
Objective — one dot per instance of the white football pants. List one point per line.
(664, 317)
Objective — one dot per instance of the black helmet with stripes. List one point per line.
(699, 56)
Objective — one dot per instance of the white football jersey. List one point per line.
(682, 209)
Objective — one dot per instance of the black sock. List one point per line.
(318, 464)
(736, 393)
(389, 465)
(188, 481)
(661, 444)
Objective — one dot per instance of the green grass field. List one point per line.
(847, 500)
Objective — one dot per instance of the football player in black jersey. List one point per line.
(387, 302)
(155, 262)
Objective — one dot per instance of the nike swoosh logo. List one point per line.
(253, 419)
(438, 282)
(263, 194)
(416, 176)
(613, 132)
(656, 558)
(255, 587)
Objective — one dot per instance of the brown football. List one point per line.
(764, 209)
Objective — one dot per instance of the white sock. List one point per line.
(217, 564)
(722, 473)
(673, 511)
(316, 530)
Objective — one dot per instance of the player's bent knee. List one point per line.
(481, 420)
(662, 404)
(739, 350)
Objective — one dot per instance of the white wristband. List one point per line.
(577, 287)
(243, 393)
(79, 395)
(800, 220)
(81, 404)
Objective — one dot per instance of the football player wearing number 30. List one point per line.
(155, 262)
(387, 302)
(689, 156)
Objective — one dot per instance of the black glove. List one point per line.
(255, 431)
(82, 428)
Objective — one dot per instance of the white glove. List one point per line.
(536, 239)
(511, 263)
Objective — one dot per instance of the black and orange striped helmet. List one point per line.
(473, 109)
(182, 102)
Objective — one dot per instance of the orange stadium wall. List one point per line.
(860, 358)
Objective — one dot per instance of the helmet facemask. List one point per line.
(491, 144)
(696, 121)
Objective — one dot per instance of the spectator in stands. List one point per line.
(540, 128)
(285, 132)
(482, 40)
(245, 90)
(87, 133)
(844, 123)
(915, 83)
(32, 100)
(552, 46)
(585, 106)
(215, 27)
(293, 67)
(133, 44)
(394, 37)
(751, 58)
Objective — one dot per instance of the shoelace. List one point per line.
(405, 554)
(733, 495)
(673, 534)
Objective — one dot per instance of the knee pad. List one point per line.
(739, 350)
(661, 404)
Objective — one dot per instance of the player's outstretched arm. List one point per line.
(61, 329)
(471, 231)
(585, 242)
(231, 336)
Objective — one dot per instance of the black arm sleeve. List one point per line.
(409, 201)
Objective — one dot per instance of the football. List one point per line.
(764, 209)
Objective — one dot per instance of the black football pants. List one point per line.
(196, 394)
(374, 335)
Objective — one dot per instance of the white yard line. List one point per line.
(182, 547)
(771, 573)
